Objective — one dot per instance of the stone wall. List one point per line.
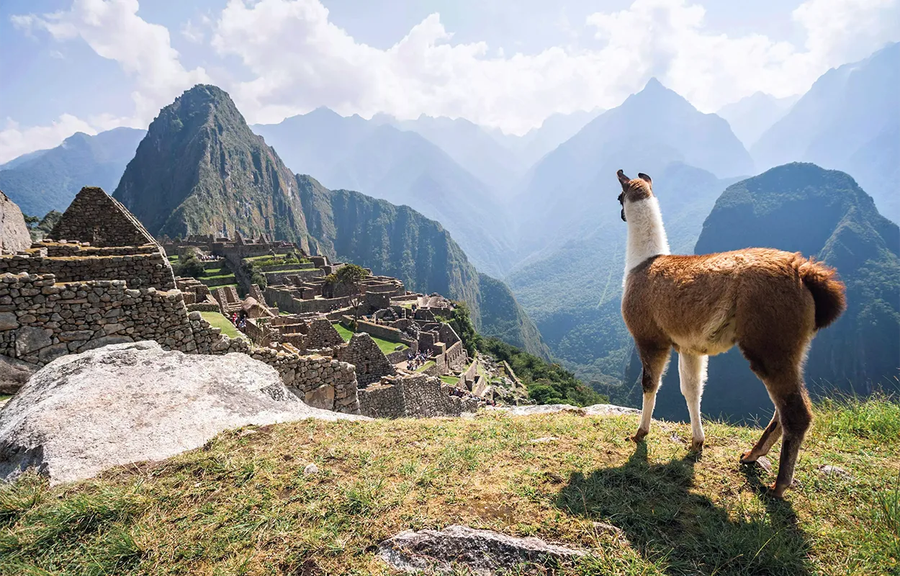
(370, 362)
(141, 270)
(381, 331)
(284, 299)
(417, 396)
(41, 320)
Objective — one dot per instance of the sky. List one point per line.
(92, 65)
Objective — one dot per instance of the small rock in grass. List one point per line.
(833, 471)
(544, 440)
(764, 463)
(310, 470)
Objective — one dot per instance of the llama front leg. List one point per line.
(692, 373)
(769, 436)
(654, 360)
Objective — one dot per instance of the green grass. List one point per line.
(386, 346)
(5, 397)
(242, 505)
(452, 380)
(216, 320)
(425, 366)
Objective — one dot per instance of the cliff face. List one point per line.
(821, 213)
(201, 170)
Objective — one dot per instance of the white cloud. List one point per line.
(300, 60)
(16, 140)
(114, 31)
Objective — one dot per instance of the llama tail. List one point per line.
(827, 291)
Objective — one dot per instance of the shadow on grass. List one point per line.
(683, 532)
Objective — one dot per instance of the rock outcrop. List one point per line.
(480, 552)
(134, 402)
(14, 234)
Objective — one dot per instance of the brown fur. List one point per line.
(768, 302)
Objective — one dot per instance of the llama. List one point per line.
(769, 303)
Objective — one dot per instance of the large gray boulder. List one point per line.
(14, 235)
(134, 402)
(460, 549)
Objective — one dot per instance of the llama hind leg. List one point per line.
(795, 415)
(769, 436)
(692, 373)
(654, 360)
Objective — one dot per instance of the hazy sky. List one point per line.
(91, 65)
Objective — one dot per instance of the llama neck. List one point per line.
(646, 234)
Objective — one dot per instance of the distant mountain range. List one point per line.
(201, 170)
(849, 120)
(820, 213)
(750, 117)
(562, 196)
(48, 180)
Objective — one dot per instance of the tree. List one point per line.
(351, 276)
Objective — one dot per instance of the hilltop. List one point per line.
(243, 503)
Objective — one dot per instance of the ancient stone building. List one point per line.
(321, 334)
(98, 218)
(370, 362)
(413, 396)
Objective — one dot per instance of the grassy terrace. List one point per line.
(242, 505)
(385, 346)
(425, 366)
(452, 380)
(216, 320)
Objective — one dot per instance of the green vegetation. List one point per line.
(452, 380)
(547, 383)
(241, 504)
(347, 282)
(385, 346)
(216, 320)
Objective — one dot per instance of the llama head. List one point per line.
(634, 190)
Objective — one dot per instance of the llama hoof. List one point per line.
(697, 446)
(748, 457)
(777, 491)
(639, 435)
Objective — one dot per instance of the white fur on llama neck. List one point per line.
(646, 234)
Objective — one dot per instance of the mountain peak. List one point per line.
(654, 85)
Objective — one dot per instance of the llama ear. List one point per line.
(623, 179)
(645, 178)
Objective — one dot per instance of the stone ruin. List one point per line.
(62, 296)
(100, 278)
